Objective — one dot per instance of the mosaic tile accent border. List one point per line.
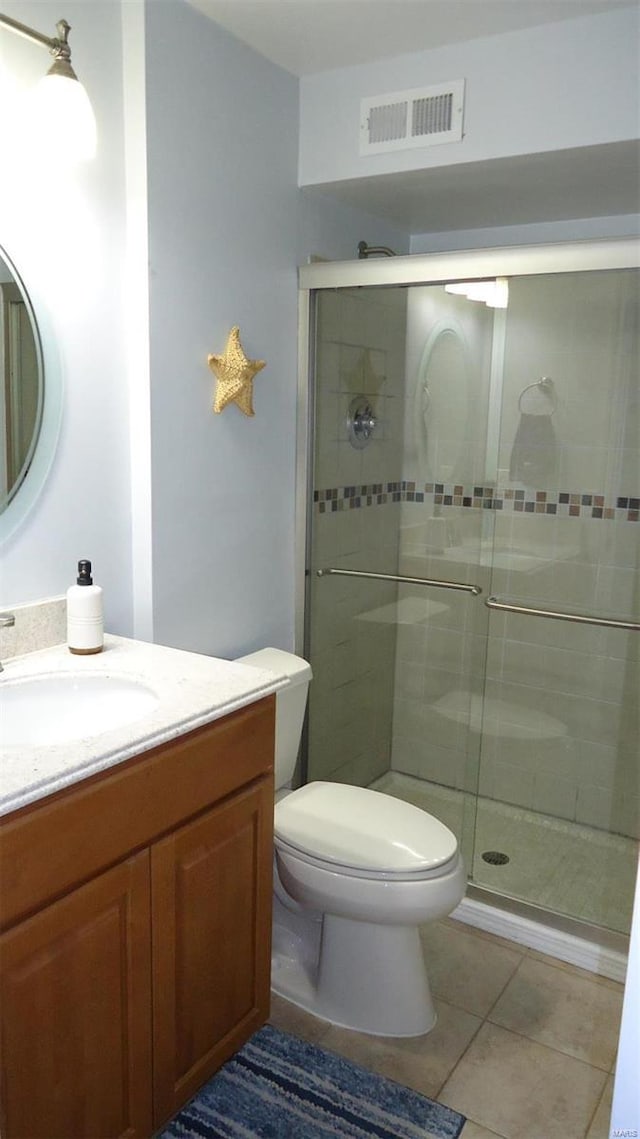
(352, 497)
(561, 503)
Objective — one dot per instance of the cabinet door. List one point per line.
(75, 1013)
(211, 904)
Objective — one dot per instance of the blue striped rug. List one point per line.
(280, 1087)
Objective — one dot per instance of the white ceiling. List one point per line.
(307, 36)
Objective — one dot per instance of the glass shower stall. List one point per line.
(470, 502)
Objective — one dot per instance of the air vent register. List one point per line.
(423, 116)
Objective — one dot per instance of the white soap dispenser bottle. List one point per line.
(85, 622)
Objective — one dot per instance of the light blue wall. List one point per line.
(332, 230)
(569, 84)
(222, 198)
(228, 226)
(577, 229)
(65, 230)
(227, 229)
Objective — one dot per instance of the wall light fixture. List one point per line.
(64, 115)
(495, 293)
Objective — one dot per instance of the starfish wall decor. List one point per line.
(234, 373)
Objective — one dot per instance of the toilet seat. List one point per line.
(362, 833)
(288, 849)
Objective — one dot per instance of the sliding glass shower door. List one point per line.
(558, 786)
(475, 470)
(396, 636)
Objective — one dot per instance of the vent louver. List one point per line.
(423, 116)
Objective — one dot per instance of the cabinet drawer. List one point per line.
(51, 846)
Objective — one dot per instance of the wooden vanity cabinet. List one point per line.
(211, 976)
(135, 948)
(75, 1012)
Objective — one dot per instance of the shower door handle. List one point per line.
(576, 618)
(437, 583)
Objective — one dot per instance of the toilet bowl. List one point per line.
(356, 873)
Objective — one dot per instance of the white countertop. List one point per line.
(192, 690)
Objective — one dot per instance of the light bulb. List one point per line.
(62, 119)
(495, 294)
(500, 294)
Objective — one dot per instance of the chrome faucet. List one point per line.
(6, 621)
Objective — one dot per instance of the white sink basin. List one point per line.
(53, 709)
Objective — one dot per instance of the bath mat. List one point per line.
(280, 1087)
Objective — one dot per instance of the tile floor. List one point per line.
(524, 1045)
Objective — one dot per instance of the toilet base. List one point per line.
(369, 978)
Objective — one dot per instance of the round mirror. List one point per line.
(442, 404)
(30, 409)
(22, 387)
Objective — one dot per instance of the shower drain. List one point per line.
(495, 857)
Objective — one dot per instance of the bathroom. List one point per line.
(190, 525)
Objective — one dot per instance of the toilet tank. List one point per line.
(290, 706)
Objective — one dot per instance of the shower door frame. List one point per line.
(433, 269)
(417, 269)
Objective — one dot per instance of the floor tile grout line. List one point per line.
(568, 1055)
(527, 1038)
(551, 1047)
(484, 1020)
(608, 1069)
(496, 939)
(567, 967)
(458, 1061)
(582, 975)
(435, 1095)
(468, 1119)
(596, 1108)
(504, 987)
(524, 954)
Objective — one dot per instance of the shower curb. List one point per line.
(557, 943)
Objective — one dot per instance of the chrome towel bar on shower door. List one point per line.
(577, 618)
(462, 586)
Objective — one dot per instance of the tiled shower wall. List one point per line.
(537, 713)
(557, 730)
(360, 350)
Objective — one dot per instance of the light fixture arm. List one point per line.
(64, 124)
(58, 45)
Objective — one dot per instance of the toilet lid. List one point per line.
(363, 829)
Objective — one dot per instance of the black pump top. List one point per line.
(84, 572)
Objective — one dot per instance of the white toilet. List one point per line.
(356, 873)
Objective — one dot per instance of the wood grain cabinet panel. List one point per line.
(76, 1013)
(135, 957)
(211, 892)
